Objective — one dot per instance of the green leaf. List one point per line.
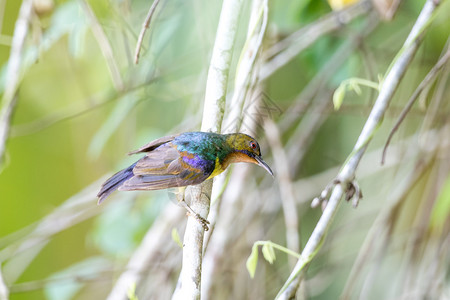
(176, 237)
(338, 96)
(268, 252)
(252, 261)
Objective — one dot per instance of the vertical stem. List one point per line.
(219, 68)
(189, 282)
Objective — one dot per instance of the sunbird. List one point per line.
(185, 159)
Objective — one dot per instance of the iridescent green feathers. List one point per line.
(181, 160)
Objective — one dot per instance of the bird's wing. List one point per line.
(154, 144)
(164, 168)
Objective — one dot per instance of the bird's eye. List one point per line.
(253, 145)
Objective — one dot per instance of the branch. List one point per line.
(145, 26)
(189, 283)
(13, 74)
(347, 173)
(245, 79)
(218, 72)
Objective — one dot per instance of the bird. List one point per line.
(181, 160)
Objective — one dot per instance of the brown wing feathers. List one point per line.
(154, 144)
(162, 167)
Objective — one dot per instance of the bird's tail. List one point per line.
(114, 182)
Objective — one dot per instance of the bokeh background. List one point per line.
(82, 104)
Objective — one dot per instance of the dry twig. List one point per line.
(145, 26)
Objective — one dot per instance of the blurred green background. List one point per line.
(79, 111)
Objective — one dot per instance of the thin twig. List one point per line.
(104, 45)
(434, 112)
(429, 78)
(145, 26)
(13, 74)
(347, 173)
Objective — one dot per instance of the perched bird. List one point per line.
(185, 159)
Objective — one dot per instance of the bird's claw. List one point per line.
(200, 219)
(191, 212)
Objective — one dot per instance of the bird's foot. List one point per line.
(200, 219)
(192, 213)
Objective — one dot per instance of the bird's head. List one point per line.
(246, 149)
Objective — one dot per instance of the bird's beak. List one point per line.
(263, 164)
